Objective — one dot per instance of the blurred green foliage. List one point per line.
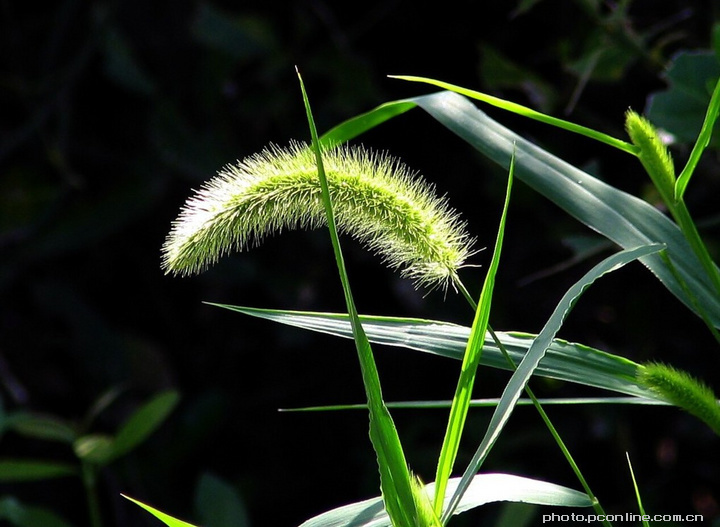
(112, 111)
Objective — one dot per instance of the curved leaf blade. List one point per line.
(517, 383)
(485, 488)
(621, 217)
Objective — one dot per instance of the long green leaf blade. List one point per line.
(526, 112)
(19, 514)
(564, 360)
(619, 216)
(524, 371)
(468, 371)
(141, 424)
(701, 144)
(486, 403)
(395, 478)
(14, 470)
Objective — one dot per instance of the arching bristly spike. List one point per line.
(682, 390)
(376, 199)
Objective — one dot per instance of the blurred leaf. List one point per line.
(26, 195)
(93, 218)
(241, 37)
(122, 67)
(219, 504)
(145, 421)
(525, 6)
(191, 152)
(33, 470)
(101, 404)
(95, 448)
(40, 427)
(680, 110)
(101, 449)
(498, 72)
(22, 515)
(603, 61)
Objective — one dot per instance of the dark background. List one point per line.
(111, 112)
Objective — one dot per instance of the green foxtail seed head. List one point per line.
(653, 154)
(375, 198)
(424, 514)
(682, 390)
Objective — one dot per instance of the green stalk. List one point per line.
(471, 359)
(687, 226)
(402, 495)
(556, 436)
(656, 159)
(543, 415)
(701, 144)
(89, 477)
(637, 491)
(526, 112)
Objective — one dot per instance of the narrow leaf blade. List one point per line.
(564, 360)
(620, 217)
(165, 518)
(522, 374)
(468, 371)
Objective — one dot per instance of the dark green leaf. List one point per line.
(218, 504)
(24, 515)
(41, 427)
(625, 219)
(14, 470)
(145, 421)
(680, 110)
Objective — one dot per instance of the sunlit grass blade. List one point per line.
(165, 518)
(637, 491)
(621, 217)
(525, 112)
(524, 371)
(395, 479)
(468, 371)
(701, 144)
(485, 403)
(365, 121)
(564, 360)
(617, 215)
(485, 488)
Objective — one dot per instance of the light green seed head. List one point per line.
(424, 513)
(375, 199)
(653, 154)
(682, 390)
